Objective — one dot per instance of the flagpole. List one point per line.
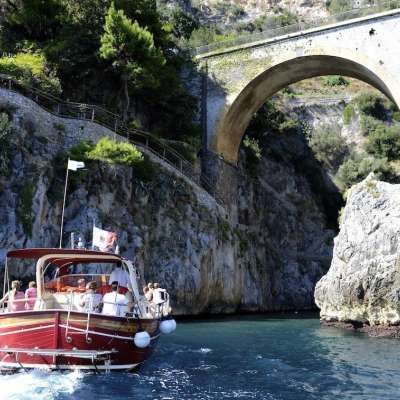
(63, 207)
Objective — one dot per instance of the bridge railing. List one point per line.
(299, 26)
(307, 100)
(114, 122)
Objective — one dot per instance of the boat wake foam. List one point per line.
(39, 384)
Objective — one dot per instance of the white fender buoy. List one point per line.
(167, 326)
(141, 339)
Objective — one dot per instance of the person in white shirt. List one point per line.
(90, 301)
(114, 303)
(159, 294)
(121, 276)
(160, 298)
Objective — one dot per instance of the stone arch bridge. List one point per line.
(240, 79)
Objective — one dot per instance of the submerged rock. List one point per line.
(362, 286)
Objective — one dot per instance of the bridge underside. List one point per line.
(233, 123)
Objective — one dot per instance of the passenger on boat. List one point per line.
(121, 276)
(91, 301)
(115, 303)
(159, 296)
(151, 288)
(81, 285)
(15, 298)
(30, 295)
(147, 293)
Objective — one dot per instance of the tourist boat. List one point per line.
(58, 334)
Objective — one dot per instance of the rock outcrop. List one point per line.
(362, 285)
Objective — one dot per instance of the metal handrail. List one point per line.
(304, 100)
(112, 121)
(357, 12)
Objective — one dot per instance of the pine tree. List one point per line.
(131, 50)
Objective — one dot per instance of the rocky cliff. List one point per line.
(265, 255)
(222, 12)
(362, 285)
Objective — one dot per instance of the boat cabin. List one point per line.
(62, 276)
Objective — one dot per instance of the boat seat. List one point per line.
(61, 301)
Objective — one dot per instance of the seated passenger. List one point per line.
(91, 301)
(81, 285)
(121, 276)
(114, 303)
(14, 298)
(30, 296)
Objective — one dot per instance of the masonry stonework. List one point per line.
(241, 79)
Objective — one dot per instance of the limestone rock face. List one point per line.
(265, 254)
(363, 282)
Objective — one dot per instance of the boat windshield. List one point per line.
(66, 277)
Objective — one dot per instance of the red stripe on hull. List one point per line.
(47, 330)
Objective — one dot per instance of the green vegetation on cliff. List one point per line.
(328, 146)
(121, 54)
(115, 153)
(5, 130)
(31, 69)
(381, 149)
(131, 51)
(24, 208)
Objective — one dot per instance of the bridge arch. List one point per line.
(234, 118)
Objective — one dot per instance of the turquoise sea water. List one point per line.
(261, 357)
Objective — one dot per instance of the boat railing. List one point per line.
(141, 308)
(17, 302)
(145, 141)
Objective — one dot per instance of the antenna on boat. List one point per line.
(73, 166)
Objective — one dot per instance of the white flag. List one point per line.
(103, 240)
(75, 165)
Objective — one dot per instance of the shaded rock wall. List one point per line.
(265, 254)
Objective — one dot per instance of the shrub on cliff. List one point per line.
(336, 80)
(5, 130)
(372, 104)
(206, 35)
(328, 146)
(110, 151)
(369, 124)
(115, 152)
(357, 167)
(31, 69)
(24, 208)
(81, 150)
(384, 142)
(268, 119)
(182, 24)
(253, 154)
(348, 114)
(396, 116)
(338, 6)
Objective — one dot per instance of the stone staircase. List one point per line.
(114, 122)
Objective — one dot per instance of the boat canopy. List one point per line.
(40, 252)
